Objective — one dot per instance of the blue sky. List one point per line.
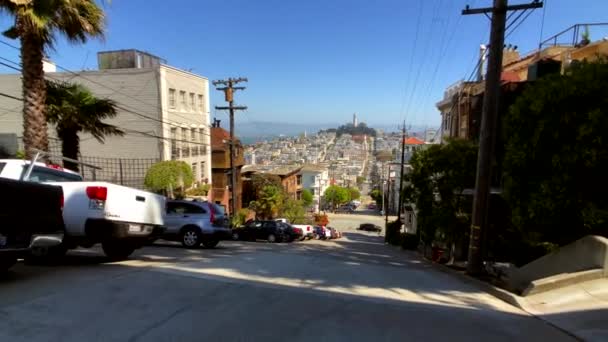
(319, 61)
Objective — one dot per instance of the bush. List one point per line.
(321, 220)
(240, 218)
(201, 190)
(169, 175)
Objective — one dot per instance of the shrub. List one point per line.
(201, 190)
(321, 220)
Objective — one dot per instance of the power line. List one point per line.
(11, 97)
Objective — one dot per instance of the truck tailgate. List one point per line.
(122, 204)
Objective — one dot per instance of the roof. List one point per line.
(413, 141)
(313, 168)
(285, 170)
(219, 138)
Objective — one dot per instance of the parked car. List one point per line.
(194, 223)
(322, 233)
(307, 230)
(30, 217)
(335, 234)
(347, 208)
(122, 219)
(370, 227)
(271, 231)
(371, 206)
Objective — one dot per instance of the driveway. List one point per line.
(352, 289)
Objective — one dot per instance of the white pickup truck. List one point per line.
(122, 219)
(307, 229)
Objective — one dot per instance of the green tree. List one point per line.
(353, 193)
(38, 23)
(556, 158)
(307, 198)
(261, 180)
(73, 109)
(376, 195)
(168, 176)
(336, 195)
(269, 202)
(439, 175)
(293, 211)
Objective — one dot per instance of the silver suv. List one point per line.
(193, 223)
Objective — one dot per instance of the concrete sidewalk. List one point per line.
(580, 309)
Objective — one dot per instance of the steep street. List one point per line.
(352, 289)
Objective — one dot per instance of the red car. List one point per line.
(371, 206)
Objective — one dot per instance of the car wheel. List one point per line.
(117, 250)
(210, 243)
(272, 238)
(43, 255)
(235, 236)
(191, 237)
(6, 263)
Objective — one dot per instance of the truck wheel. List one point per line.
(6, 263)
(210, 243)
(117, 250)
(191, 237)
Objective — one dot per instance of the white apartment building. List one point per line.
(315, 178)
(163, 110)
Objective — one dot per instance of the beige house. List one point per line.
(163, 110)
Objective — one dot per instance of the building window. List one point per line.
(185, 149)
(203, 146)
(174, 147)
(195, 171)
(192, 102)
(182, 100)
(201, 104)
(171, 98)
(194, 139)
(203, 172)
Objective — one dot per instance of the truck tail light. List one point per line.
(99, 193)
(62, 201)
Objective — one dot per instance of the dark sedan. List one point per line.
(369, 227)
(270, 231)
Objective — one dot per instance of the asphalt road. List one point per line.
(352, 289)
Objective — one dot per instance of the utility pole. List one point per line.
(487, 135)
(228, 90)
(388, 202)
(401, 176)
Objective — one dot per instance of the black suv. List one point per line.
(270, 231)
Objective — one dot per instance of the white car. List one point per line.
(307, 229)
(120, 218)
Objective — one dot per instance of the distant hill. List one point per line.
(251, 131)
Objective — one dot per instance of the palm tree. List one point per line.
(72, 108)
(37, 23)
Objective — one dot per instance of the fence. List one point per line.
(125, 171)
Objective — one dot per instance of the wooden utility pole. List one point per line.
(228, 90)
(487, 135)
(401, 176)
